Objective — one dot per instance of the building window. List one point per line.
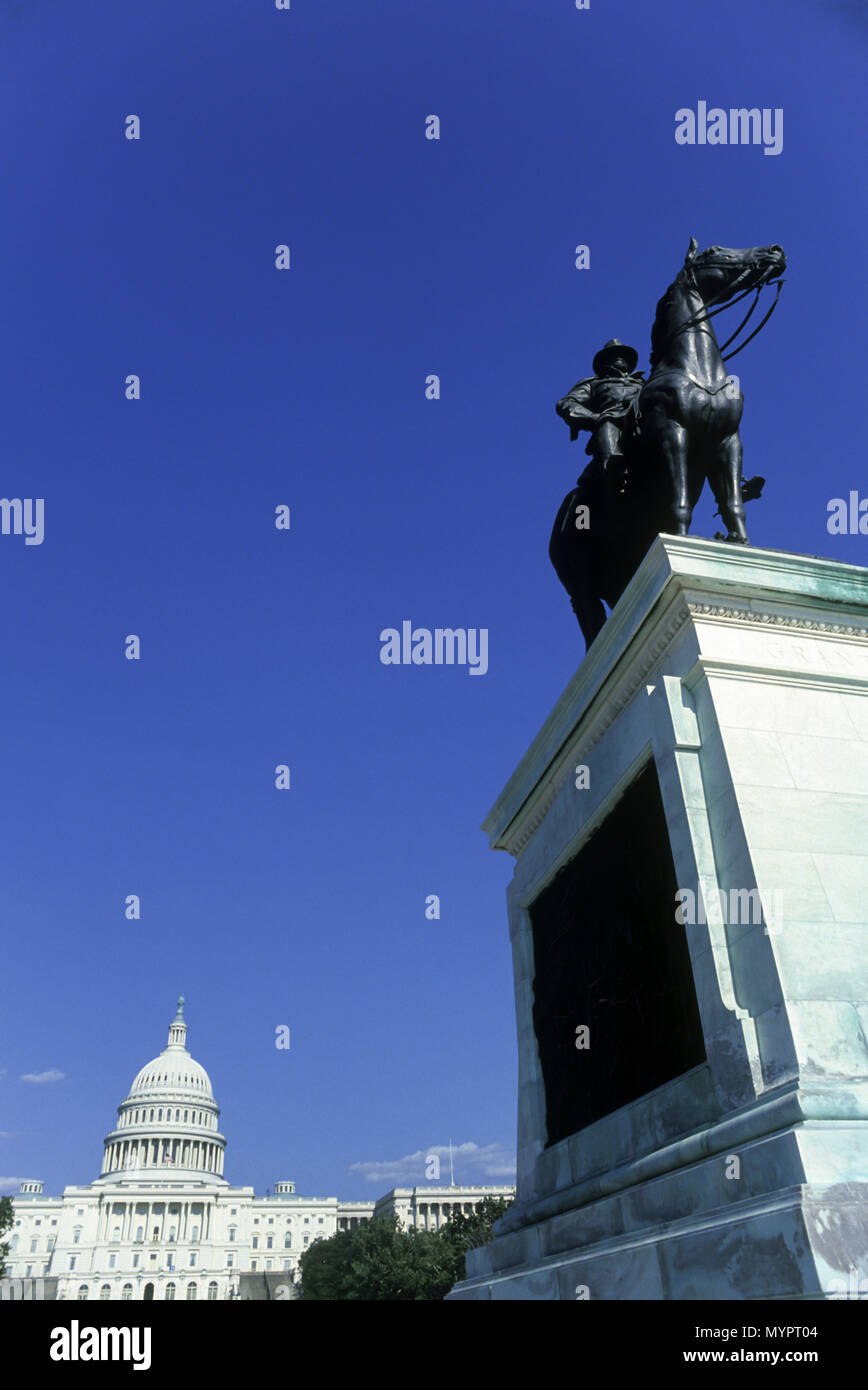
(192, 1258)
(116, 1233)
(306, 1240)
(320, 1220)
(127, 1293)
(33, 1244)
(156, 1235)
(50, 1242)
(191, 1293)
(307, 1221)
(287, 1243)
(72, 1261)
(76, 1236)
(113, 1259)
(171, 1233)
(135, 1261)
(105, 1292)
(253, 1264)
(268, 1264)
(195, 1235)
(212, 1291)
(233, 1211)
(140, 1233)
(82, 1293)
(170, 1292)
(230, 1261)
(270, 1242)
(54, 1221)
(231, 1232)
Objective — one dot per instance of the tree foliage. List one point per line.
(7, 1216)
(379, 1260)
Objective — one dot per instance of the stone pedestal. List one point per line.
(723, 709)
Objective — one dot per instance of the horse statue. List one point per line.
(687, 416)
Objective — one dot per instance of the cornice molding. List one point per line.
(731, 613)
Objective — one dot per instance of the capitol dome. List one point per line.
(168, 1124)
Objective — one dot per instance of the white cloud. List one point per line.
(471, 1162)
(9, 1185)
(40, 1076)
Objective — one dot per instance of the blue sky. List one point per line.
(306, 388)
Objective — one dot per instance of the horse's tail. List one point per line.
(564, 533)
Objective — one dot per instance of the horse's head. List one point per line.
(720, 271)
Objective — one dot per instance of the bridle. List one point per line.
(707, 313)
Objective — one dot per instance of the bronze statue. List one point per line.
(605, 403)
(655, 442)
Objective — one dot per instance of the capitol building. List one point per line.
(162, 1222)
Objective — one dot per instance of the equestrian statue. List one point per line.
(653, 443)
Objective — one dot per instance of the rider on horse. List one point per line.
(606, 404)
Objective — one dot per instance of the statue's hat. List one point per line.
(615, 348)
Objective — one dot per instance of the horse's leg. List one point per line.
(576, 573)
(724, 476)
(671, 440)
(572, 554)
(589, 610)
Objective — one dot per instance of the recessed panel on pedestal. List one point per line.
(610, 958)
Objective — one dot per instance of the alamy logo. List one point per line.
(844, 519)
(741, 906)
(740, 125)
(444, 646)
(75, 1343)
(14, 519)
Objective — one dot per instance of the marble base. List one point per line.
(743, 675)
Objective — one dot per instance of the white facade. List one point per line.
(429, 1208)
(162, 1222)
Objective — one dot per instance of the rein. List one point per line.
(760, 325)
(707, 313)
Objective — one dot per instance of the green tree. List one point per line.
(462, 1233)
(7, 1216)
(379, 1261)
